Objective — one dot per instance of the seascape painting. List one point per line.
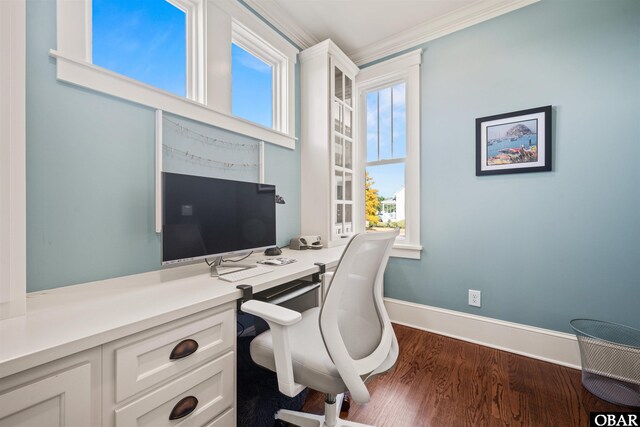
(512, 143)
(515, 142)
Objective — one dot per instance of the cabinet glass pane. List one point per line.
(339, 217)
(337, 146)
(348, 186)
(348, 222)
(347, 90)
(338, 85)
(337, 116)
(348, 154)
(347, 122)
(339, 186)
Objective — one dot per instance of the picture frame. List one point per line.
(515, 142)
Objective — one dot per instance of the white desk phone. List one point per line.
(305, 242)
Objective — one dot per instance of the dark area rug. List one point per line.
(258, 395)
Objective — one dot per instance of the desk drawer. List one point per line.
(144, 360)
(226, 420)
(210, 385)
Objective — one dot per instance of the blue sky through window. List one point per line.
(146, 40)
(251, 87)
(142, 39)
(388, 179)
(383, 111)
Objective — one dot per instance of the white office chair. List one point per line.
(336, 347)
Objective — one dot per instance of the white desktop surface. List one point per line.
(63, 321)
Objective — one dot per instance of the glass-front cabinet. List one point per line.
(342, 152)
(328, 149)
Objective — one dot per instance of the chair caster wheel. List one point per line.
(346, 404)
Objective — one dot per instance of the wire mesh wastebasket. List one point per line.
(610, 356)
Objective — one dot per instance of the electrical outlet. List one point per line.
(474, 298)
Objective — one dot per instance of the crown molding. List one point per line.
(480, 11)
(382, 72)
(280, 19)
(246, 18)
(328, 47)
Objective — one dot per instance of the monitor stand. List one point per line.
(217, 264)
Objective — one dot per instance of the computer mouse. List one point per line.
(273, 251)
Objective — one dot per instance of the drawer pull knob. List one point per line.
(184, 349)
(183, 408)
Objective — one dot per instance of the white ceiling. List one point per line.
(366, 29)
(354, 24)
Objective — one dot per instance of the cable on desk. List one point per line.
(237, 260)
(228, 260)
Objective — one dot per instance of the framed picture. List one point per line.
(514, 142)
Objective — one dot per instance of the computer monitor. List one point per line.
(210, 217)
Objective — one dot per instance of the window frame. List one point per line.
(211, 26)
(195, 70)
(13, 281)
(244, 38)
(401, 69)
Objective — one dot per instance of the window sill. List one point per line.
(90, 76)
(402, 250)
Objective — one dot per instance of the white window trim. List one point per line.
(208, 88)
(404, 68)
(195, 69)
(12, 160)
(256, 46)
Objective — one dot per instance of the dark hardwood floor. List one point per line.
(440, 381)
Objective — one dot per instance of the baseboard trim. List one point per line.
(542, 344)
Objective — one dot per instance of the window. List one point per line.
(262, 77)
(390, 149)
(144, 40)
(252, 87)
(166, 54)
(386, 157)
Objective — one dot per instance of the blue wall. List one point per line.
(545, 247)
(90, 175)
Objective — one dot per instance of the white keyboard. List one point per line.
(244, 274)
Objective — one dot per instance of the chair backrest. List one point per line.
(354, 324)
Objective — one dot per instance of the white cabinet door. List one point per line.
(60, 393)
(331, 198)
(342, 148)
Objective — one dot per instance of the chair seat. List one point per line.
(312, 365)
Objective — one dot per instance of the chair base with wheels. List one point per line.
(332, 405)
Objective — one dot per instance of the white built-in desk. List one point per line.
(93, 354)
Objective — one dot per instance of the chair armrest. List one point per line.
(326, 279)
(272, 313)
(279, 319)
